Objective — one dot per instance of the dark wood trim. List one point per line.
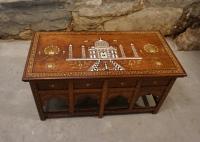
(135, 95)
(37, 100)
(163, 97)
(71, 97)
(106, 112)
(83, 90)
(127, 111)
(103, 96)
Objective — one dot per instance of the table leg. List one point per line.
(71, 98)
(37, 99)
(164, 96)
(135, 95)
(103, 97)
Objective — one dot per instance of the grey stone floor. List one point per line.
(177, 121)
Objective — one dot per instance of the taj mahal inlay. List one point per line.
(102, 50)
(104, 54)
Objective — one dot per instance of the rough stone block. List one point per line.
(38, 15)
(189, 40)
(154, 18)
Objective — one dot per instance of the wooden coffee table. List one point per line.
(100, 73)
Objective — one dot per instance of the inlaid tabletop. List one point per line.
(55, 55)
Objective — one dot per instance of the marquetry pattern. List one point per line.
(29, 73)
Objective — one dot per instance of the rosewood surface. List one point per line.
(100, 73)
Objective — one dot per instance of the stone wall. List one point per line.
(20, 18)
